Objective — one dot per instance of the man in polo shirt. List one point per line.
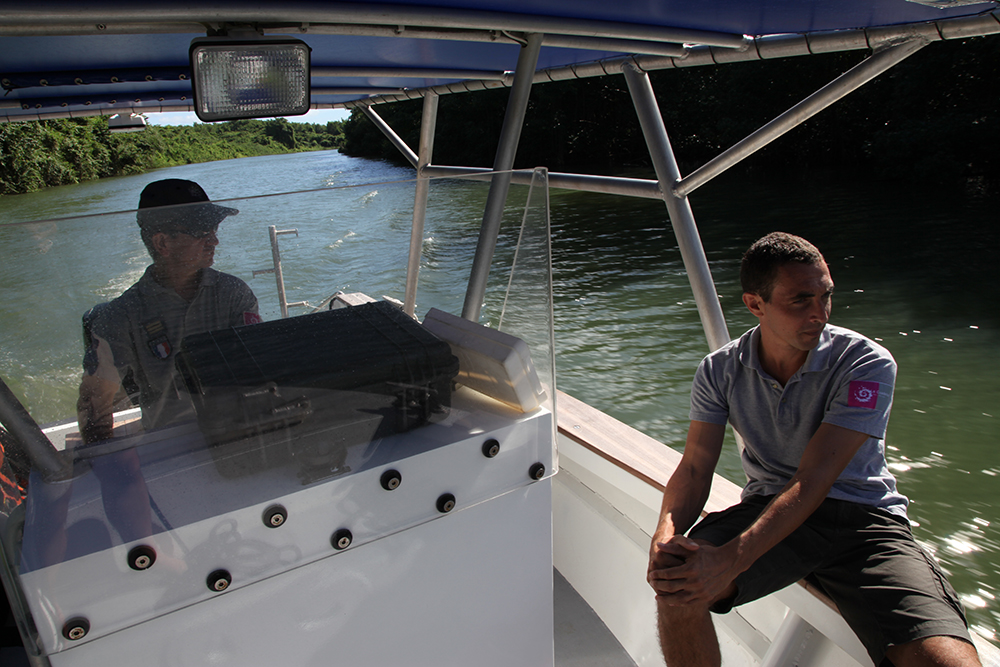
(811, 402)
(133, 339)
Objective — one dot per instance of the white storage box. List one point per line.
(491, 362)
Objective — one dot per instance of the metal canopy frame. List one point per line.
(510, 135)
(678, 208)
(332, 18)
(758, 48)
(670, 185)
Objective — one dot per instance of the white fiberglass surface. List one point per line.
(249, 446)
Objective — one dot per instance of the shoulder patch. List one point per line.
(250, 317)
(156, 338)
(863, 394)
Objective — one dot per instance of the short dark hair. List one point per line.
(759, 269)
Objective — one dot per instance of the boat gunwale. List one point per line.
(643, 457)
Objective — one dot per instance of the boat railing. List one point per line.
(273, 234)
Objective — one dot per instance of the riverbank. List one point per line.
(62, 152)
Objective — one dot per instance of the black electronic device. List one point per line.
(309, 387)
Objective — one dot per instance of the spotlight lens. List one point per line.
(250, 80)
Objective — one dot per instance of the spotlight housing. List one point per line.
(249, 77)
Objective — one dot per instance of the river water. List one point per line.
(915, 268)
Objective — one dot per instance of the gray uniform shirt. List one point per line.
(144, 328)
(847, 380)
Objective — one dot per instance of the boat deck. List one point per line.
(581, 637)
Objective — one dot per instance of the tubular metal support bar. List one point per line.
(759, 48)
(406, 73)
(273, 233)
(36, 446)
(859, 75)
(303, 11)
(610, 185)
(517, 104)
(428, 123)
(621, 45)
(790, 642)
(279, 278)
(407, 152)
(408, 32)
(92, 112)
(360, 90)
(679, 208)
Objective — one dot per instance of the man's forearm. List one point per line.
(826, 456)
(95, 409)
(787, 511)
(683, 499)
(689, 486)
(95, 424)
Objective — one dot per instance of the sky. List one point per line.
(320, 116)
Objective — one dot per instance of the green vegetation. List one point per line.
(35, 155)
(931, 118)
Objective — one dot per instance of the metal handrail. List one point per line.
(279, 278)
(25, 431)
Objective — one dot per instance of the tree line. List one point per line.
(35, 155)
(932, 117)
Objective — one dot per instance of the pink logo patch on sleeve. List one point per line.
(251, 318)
(863, 394)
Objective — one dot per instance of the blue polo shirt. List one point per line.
(846, 380)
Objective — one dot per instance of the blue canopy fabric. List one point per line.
(59, 58)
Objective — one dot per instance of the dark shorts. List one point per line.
(889, 590)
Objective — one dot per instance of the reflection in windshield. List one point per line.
(133, 340)
(196, 435)
(130, 347)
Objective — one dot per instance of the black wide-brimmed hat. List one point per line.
(178, 205)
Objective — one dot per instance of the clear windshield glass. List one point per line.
(163, 417)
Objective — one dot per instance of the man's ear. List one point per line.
(754, 303)
(159, 241)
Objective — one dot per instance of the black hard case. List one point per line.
(309, 387)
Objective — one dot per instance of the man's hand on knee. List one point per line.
(670, 553)
(660, 559)
(684, 571)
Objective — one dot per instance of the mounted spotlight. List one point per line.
(248, 77)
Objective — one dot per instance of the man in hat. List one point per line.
(133, 339)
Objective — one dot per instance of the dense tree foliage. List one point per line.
(932, 117)
(34, 155)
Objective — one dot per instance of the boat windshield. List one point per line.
(236, 434)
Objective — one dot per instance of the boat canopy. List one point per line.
(63, 59)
